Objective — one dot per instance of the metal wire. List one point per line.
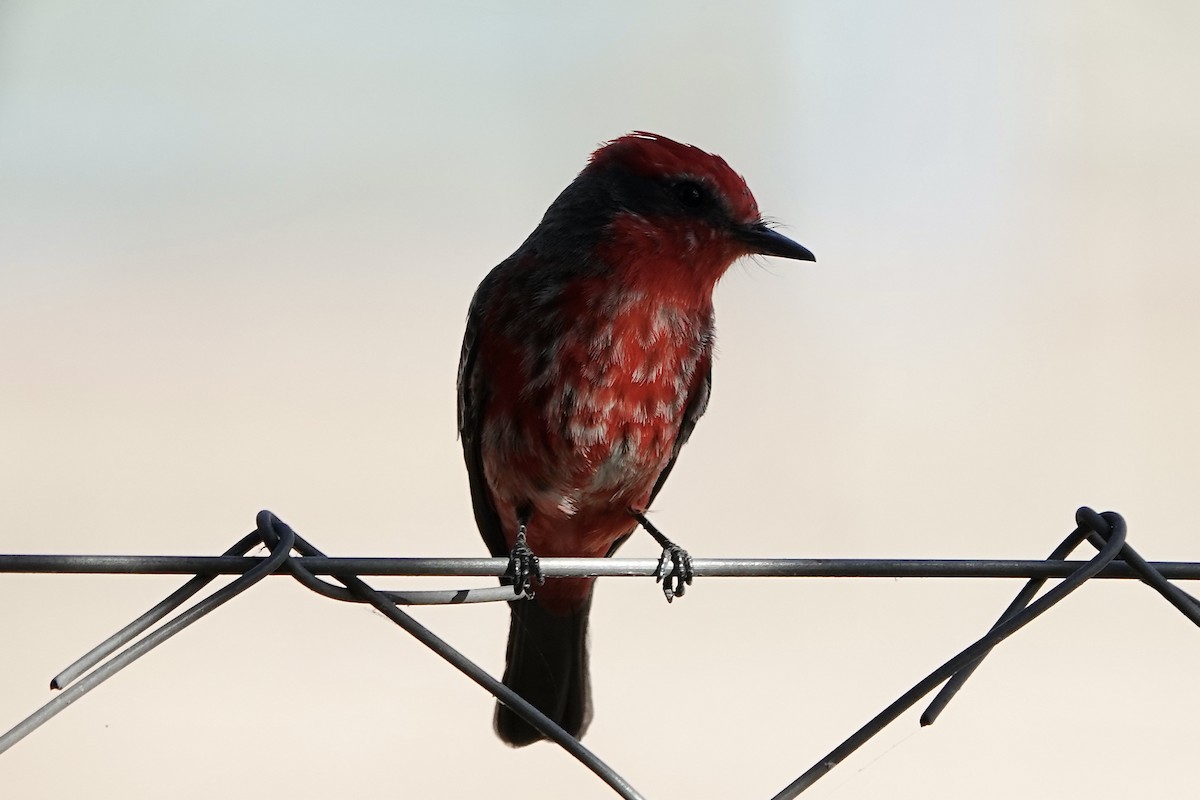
(1113, 528)
(140, 648)
(269, 526)
(600, 567)
(1106, 532)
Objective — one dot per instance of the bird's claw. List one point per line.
(524, 568)
(674, 571)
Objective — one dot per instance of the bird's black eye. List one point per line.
(690, 194)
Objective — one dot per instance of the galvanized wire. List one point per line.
(140, 648)
(359, 591)
(1106, 532)
(1112, 540)
(599, 567)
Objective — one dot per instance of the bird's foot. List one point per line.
(524, 567)
(675, 571)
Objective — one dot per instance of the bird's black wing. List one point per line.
(472, 399)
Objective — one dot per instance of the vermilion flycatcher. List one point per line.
(586, 363)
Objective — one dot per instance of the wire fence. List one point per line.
(290, 554)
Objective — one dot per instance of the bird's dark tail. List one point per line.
(548, 666)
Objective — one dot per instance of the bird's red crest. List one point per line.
(650, 154)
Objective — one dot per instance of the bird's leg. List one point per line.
(674, 565)
(523, 563)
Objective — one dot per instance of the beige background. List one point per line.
(237, 243)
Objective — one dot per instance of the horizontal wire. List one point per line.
(595, 567)
(1105, 531)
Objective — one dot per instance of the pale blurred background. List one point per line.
(237, 244)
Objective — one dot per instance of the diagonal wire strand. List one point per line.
(145, 621)
(362, 592)
(1183, 601)
(1109, 522)
(141, 647)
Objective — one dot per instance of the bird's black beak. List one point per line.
(764, 241)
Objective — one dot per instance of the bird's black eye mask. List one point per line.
(674, 197)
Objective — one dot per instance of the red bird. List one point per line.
(586, 364)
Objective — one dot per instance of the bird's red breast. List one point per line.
(585, 410)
